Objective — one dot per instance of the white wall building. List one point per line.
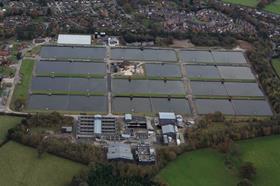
(68, 39)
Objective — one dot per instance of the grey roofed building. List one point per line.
(119, 151)
(168, 129)
(95, 126)
(166, 118)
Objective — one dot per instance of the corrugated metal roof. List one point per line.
(119, 151)
(97, 126)
(168, 129)
(167, 115)
(74, 39)
(128, 117)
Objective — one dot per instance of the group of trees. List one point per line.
(263, 3)
(209, 133)
(23, 133)
(234, 162)
(53, 119)
(107, 175)
(260, 57)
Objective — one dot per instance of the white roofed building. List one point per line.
(68, 39)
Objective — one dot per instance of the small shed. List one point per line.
(66, 129)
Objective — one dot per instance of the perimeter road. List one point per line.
(16, 79)
(109, 79)
(187, 85)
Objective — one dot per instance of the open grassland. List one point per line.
(21, 90)
(276, 65)
(251, 3)
(7, 122)
(206, 167)
(20, 165)
(274, 7)
(265, 154)
(198, 168)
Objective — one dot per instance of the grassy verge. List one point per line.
(21, 89)
(225, 80)
(232, 97)
(148, 78)
(20, 165)
(150, 95)
(7, 122)
(97, 76)
(46, 92)
(250, 3)
(129, 77)
(35, 51)
(276, 65)
(164, 78)
(34, 111)
(75, 59)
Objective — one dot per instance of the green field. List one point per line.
(206, 167)
(276, 65)
(198, 168)
(21, 90)
(274, 7)
(251, 3)
(20, 166)
(265, 154)
(7, 122)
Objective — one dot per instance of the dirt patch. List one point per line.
(245, 45)
(182, 43)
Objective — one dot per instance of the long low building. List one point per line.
(95, 126)
(69, 39)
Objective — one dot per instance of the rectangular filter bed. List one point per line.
(59, 52)
(150, 105)
(69, 67)
(138, 54)
(68, 103)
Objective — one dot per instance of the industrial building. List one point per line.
(145, 153)
(169, 133)
(95, 126)
(166, 118)
(135, 121)
(68, 39)
(119, 151)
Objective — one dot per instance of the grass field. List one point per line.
(274, 7)
(21, 166)
(251, 3)
(198, 168)
(265, 154)
(21, 90)
(206, 167)
(7, 122)
(276, 65)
